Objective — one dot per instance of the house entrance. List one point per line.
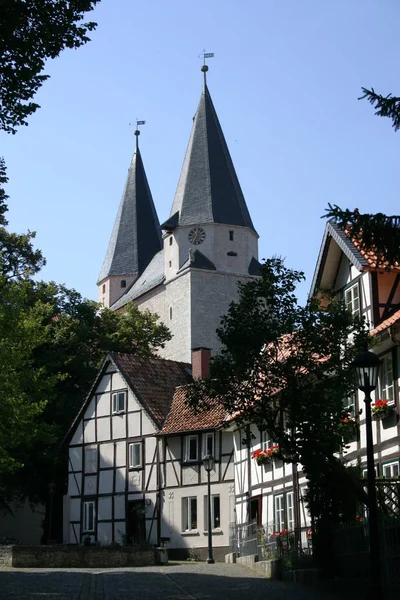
(136, 522)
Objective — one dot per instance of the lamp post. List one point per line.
(208, 463)
(366, 365)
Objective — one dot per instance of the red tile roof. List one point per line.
(386, 323)
(153, 380)
(370, 255)
(183, 418)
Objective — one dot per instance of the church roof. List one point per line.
(136, 236)
(152, 276)
(208, 190)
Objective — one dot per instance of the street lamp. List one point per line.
(366, 365)
(208, 463)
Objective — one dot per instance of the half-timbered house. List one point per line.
(135, 459)
(273, 494)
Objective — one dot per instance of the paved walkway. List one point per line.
(187, 581)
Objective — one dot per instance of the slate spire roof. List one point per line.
(208, 190)
(136, 236)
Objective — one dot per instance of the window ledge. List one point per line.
(190, 532)
(217, 531)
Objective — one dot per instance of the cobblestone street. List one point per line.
(174, 582)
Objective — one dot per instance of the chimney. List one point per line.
(201, 363)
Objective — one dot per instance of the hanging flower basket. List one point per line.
(264, 457)
(261, 457)
(381, 410)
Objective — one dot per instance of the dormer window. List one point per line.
(123, 283)
(231, 235)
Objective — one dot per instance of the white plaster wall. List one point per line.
(75, 459)
(104, 533)
(104, 384)
(172, 521)
(104, 508)
(106, 455)
(77, 438)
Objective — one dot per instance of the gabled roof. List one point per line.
(329, 255)
(153, 381)
(182, 418)
(152, 277)
(208, 190)
(136, 236)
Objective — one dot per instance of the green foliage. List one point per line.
(286, 369)
(31, 32)
(386, 106)
(52, 342)
(376, 232)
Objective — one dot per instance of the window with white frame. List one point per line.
(135, 455)
(386, 381)
(208, 444)
(90, 459)
(192, 449)
(290, 510)
(266, 441)
(352, 300)
(391, 470)
(88, 516)
(118, 402)
(189, 514)
(215, 512)
(279, 513)
(365, 473)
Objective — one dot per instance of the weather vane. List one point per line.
(137, 132)
(204, 55)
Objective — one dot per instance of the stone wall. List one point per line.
(75, 556)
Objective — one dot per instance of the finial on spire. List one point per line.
(137, 132)
(204, 68)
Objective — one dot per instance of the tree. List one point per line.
(287, 370)
(376, 232)
(386, 106)
(32, 31)
(52, 342)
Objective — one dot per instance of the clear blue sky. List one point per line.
(285, 81)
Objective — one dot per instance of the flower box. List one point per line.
(264, 457)
(381, 410)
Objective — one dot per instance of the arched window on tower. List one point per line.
(104, 288)
(123, 283)
(231, 235)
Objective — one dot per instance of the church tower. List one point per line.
(209, 243)
(135, 238)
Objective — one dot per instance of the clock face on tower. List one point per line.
(197, 235)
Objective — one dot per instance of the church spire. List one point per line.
(208, 190)
(136, 237)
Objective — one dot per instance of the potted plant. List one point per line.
(381, 409)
